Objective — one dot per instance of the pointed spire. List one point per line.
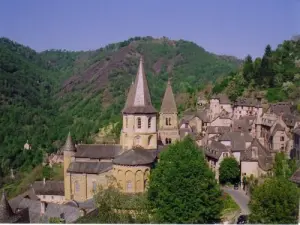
(138, 99)
(69, 145)
(5, 210)
(168, 104)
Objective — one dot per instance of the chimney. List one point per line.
(44, 181)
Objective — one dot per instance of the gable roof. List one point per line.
(49, 187)
(264, 157)
(215, 149)
(138, 99)
(97, 151)
(168, 104)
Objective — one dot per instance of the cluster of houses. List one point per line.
(242, 129)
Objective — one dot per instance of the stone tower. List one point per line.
(69, 150)
(168, 118)
(139, 116)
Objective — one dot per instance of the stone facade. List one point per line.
(130, 162)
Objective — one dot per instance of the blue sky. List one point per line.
(233, 27)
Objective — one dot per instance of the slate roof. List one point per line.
(280, 107)
(215, 149)
(296, 177)
(238, 139)
(250, 102)
(89, 167)
(222, 98)
(49, 187)
(289, 119)
(135, 157)
(243, 124)
(97, 151)
(6, 213)
(52, 210)
(217, 129)
(70, 214)
(264, 157)
(168, 104)
(138, 99)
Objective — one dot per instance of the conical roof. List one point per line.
(69, 145)
(6, 212)
(138, 99)
(168, 104)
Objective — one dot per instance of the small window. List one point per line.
(44, 196)
(149, 122)
(77, 187)
(126, 122)
(52, 197)
(169, 121)
(139, 123)
(129, 186)
(94, 186)
(168, 141)
(281, 138)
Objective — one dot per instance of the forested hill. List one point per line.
(275, 75)
(44, 95)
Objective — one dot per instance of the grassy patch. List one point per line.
(229, 206)
(23, 180)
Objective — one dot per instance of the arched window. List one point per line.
(169, 121)
(139, 123)
(168, 140)
(77, 186)
(129, 186)
(94, 186)
(149, 122)
(145, 184)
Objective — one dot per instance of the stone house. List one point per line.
(215, 152)
(256, 160)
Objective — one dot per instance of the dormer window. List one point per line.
(149, 122)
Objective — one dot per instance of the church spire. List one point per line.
(69, 145)
(168, 104)
(138, 99)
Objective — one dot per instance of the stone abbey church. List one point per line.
(88, 165)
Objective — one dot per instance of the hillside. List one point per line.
(275, 76)
(44, 95)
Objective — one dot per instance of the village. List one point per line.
(245, 129)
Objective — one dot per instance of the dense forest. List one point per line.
(45, 95)
(275, 75)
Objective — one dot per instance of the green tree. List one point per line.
(283, 167)
(274, 201)
(248, 70)
(229, 171)
(182, 188)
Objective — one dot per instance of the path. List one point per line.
(240, 198)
